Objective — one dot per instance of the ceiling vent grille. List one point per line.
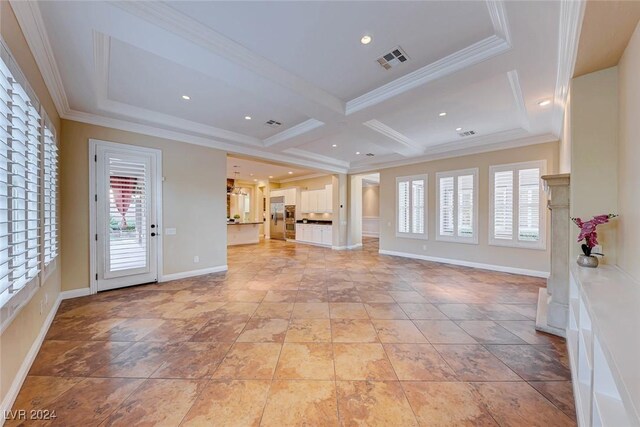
(467, 133)
(370, 154)
(273, 123)
(392, 59)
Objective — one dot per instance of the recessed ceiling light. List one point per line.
(366, 39)
(334, 145)
(255, 180)
(250, 174)
(458, 129)
(442, 114)
(247, 117)
(270, 176)
(186, 97)
(544, 103)
(290, 173)
(357, 152)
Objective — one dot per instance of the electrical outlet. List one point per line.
(196, 259)
(424, 247)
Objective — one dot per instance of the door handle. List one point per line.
(153, 226)
(153, 234)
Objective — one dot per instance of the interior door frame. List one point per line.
(93, 214)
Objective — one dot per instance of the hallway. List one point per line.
(296, 334)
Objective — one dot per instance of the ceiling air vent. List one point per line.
(467, 133)
(393, 58)
(273, 123)
(370, 154)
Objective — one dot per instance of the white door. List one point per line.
(127, 231)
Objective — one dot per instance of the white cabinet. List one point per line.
(290, 196)
(317, 201)
(317, 234)
(327, 235)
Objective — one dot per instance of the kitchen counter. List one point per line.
(315, 221)
(243, 233)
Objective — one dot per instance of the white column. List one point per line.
(553, 302)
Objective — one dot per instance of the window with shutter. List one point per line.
(457, 209)
(517, 208)
(28, 190)
(411, 201)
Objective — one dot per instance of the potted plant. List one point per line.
(590, 236)
(236, 217)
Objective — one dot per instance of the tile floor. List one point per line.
(299, 335)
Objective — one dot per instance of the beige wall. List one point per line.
(528, 259)
(194, 201)
(629, 158)
(371, 201)
(594, 154)
(564, 163)
(20, 335)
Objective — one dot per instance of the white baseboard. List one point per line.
(75, 293)
(344, 248)
(492, 267)
(370, 234)
(21, 375)
(193, 273)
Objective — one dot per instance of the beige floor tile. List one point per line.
(385, 311)
(398, 331)
(301, 403)
(309, 330)
(264, 330)
(443, 332)
(362, 362)
(249, 361)
(475, 363)
(310, 361)
(310, 310)
(347, 310)
(418, 362)
(353, 331)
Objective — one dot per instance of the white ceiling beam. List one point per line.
(403, 145)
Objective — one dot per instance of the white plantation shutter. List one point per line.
(503, 205)
(417, 215)
(465, 205)
(411, 200)
(446, 206)
(21, 141)
(457, 206)
(403, 207)
(529, 204)
(50, 190)
(516, 212)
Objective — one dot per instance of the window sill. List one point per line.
(451, 239)
(509, 244)
(412, 236)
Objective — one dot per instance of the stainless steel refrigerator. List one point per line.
(277, 218)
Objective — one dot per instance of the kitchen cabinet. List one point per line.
(289, 195)
(317, 201)
(318, 234)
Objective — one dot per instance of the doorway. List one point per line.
(125, 185)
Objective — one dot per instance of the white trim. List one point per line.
(299, 178)
(32, 25)
(410, 179)
(498, 141)
(462, 263)
(315, 156)
(193, 273)
(21, 375)
(473, 240)
(516, 90)
(75, 293)
(93, 250)
(571, 15)
(292, 132)
(514, 242)
(407, 146)
(464, 58)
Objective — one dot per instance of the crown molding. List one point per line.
(571, 15)
(494, 142)
(292, 132)
(408, 146)
(164, 16)
(516, 89)
(144, 129)
(32, 26)
(300, 178)
(315, 156)
(498, 16)
(470, 55)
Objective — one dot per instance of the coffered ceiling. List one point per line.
(487, 65)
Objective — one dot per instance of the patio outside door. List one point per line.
(127, 230)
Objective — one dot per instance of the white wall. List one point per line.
(371, 210)
(594, 154)
(628, 244)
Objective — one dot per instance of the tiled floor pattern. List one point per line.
(300, 335)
